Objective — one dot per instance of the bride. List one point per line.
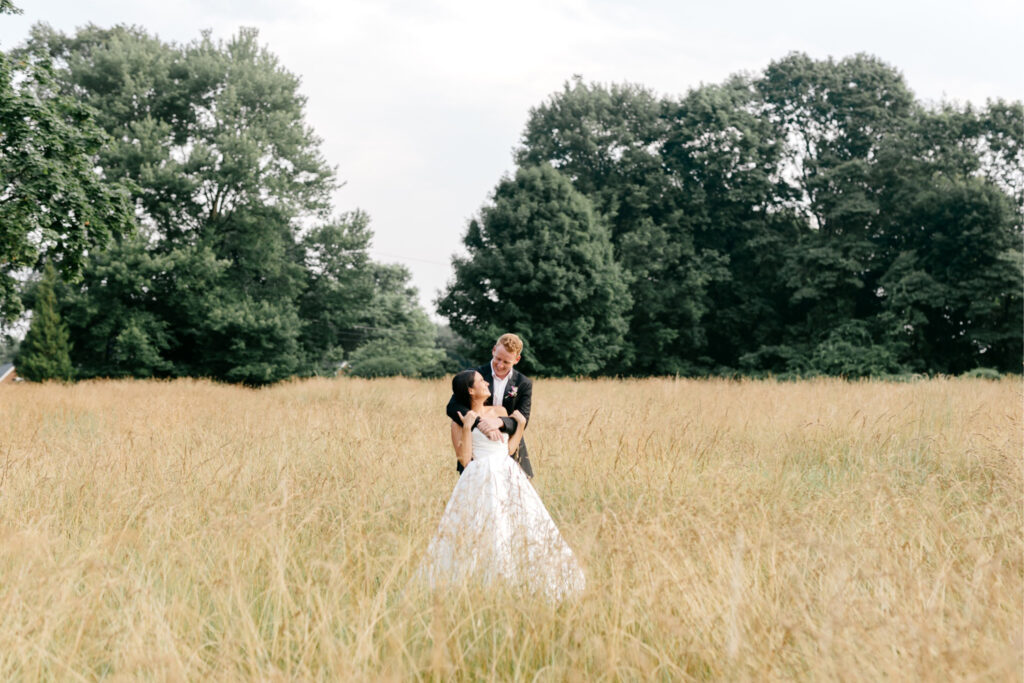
(495, 527)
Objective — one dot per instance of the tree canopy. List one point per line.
(237, 270)
(813, 218)
(54, 204)
(540, 263)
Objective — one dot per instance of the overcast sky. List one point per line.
(420, 102)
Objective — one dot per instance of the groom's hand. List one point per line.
(490, 426)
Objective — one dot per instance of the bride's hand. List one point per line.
(468, 419)
(519, 417)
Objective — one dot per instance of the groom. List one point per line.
(514, 389)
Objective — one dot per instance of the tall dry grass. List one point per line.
(729, 530)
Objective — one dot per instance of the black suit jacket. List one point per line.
(518, 396)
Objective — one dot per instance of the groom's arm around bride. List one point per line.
(509, 388)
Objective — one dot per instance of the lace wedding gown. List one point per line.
(495, 528)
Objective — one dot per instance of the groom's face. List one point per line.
(502, 360)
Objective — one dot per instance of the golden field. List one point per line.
(747, 530)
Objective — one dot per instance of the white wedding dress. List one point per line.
(495, 528)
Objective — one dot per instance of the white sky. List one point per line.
(420, 102)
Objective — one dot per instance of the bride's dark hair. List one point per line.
(461, 384)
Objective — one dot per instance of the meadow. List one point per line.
(729, 530)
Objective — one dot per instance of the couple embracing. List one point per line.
(495, 527)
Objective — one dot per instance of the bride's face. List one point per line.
(479, 388)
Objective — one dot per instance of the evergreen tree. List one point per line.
(540, 264)
(45, 352)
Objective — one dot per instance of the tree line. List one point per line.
(200, 203)
(814, 218)
(810, 219)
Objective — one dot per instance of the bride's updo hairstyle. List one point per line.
(461, 384)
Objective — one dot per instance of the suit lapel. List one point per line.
(488, 375)
(506, 400)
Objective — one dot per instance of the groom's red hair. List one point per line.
(512, 343)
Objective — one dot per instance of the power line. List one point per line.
(409, 258)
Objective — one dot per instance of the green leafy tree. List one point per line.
(540, 263)
(44, 354)
(722, 155)
(949, 232)
(135, 310)
(910, 259)
(241, 273)
(788, 222)
(411, 353)
(953, 292)
(54, 205)
(227, 174)
(999, 144)
(850, 350)
(342, 287)
(607, 141)
(397, 336)
(836, 119)
(689, 192)
(457, 352)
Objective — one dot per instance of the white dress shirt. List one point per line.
(498, 387)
